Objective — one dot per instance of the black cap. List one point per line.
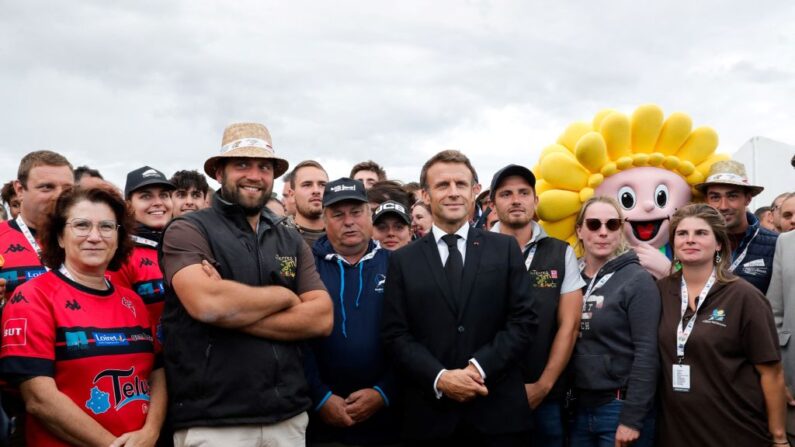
(391, 207)
(344, 189)
(145, 176)
(508, 171)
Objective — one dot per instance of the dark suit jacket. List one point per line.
(425, 330)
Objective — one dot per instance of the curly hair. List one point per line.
(53, 255)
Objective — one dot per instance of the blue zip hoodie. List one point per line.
(352, 358)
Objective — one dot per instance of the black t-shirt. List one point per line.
(733, 332)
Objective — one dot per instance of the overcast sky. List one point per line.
(117, 85)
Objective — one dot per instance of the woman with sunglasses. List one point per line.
(722, 381)
(615, 360)
(80, 348)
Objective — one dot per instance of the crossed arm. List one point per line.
(273, 312)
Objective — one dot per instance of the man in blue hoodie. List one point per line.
(348, 374)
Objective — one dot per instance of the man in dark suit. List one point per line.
(458, 316)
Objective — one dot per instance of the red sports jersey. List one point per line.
(142, 274)
(97, 345)
(20, 261)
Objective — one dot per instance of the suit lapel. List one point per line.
(428, 244)
(471, 265)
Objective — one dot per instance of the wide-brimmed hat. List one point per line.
(247, 140)
(728, 172)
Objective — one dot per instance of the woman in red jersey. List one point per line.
(80, 348)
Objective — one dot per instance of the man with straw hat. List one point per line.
(241, 292)
(727, 189)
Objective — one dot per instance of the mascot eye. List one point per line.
(661, 195)
(626, 197)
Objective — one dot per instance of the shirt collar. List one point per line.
(463, 232)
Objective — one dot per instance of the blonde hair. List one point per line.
(623, 246)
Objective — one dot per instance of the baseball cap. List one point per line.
(391, 207)
(344, 189)
(145, 176)
(508, 171)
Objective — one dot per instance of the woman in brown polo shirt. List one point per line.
(722, 381)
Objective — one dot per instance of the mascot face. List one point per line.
(648, 197)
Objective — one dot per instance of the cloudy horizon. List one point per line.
(123, 84)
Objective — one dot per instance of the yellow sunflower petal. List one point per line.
(573, 133)
(674, 133)
(591, 151)
(701, 143)
(647, 121)
(562, 228)
(557, 204)
(600, 116)
(616, 131)
(564, 172)
(543, 186)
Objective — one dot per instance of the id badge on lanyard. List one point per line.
(681, 371)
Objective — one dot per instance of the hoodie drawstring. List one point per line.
(342, 298)
(342, 294)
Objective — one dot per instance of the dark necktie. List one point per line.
(454, 267)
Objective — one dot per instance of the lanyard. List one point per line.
(528, 256)
(683, 334)
(742, 255)
(29, 236)
(591, 286)
(144, 241)
(69, 276)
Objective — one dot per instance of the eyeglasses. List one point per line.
(82, 227)
(610, 224)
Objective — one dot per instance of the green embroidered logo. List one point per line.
(287, 266)
(543, 279)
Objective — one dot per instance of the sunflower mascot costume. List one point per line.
(647, 162)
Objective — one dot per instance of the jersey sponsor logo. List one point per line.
(140, 337)
(145, 262)
(76, 340)
(18, 298)
(287, 266)
(125, 386)
(129, 305)
(380, 281)
(15, 248)
(110, 339)
(72, 305)
(15, 332)
(30, 274)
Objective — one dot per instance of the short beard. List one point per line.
(308, 212)
(231, 195)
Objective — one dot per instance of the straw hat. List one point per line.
(248, 140)
(728, 172)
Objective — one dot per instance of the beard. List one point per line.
(251, 206)
(514, 222)
(308, 211)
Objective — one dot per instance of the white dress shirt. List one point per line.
(444, 253)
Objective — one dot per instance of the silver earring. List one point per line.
(717, 257)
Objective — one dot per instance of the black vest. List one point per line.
(222, 377)
(546, 276)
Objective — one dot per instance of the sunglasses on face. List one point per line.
(610, 224)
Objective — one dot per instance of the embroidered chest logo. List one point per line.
(287, 266)
(15, 248)
(543, 279)
(145, 262)
(717, 317)
(129, 305)
(73, 305)
(380, 281)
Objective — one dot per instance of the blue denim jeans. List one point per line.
(596, 427)
(547, 425)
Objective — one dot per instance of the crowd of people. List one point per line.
(366, 311)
